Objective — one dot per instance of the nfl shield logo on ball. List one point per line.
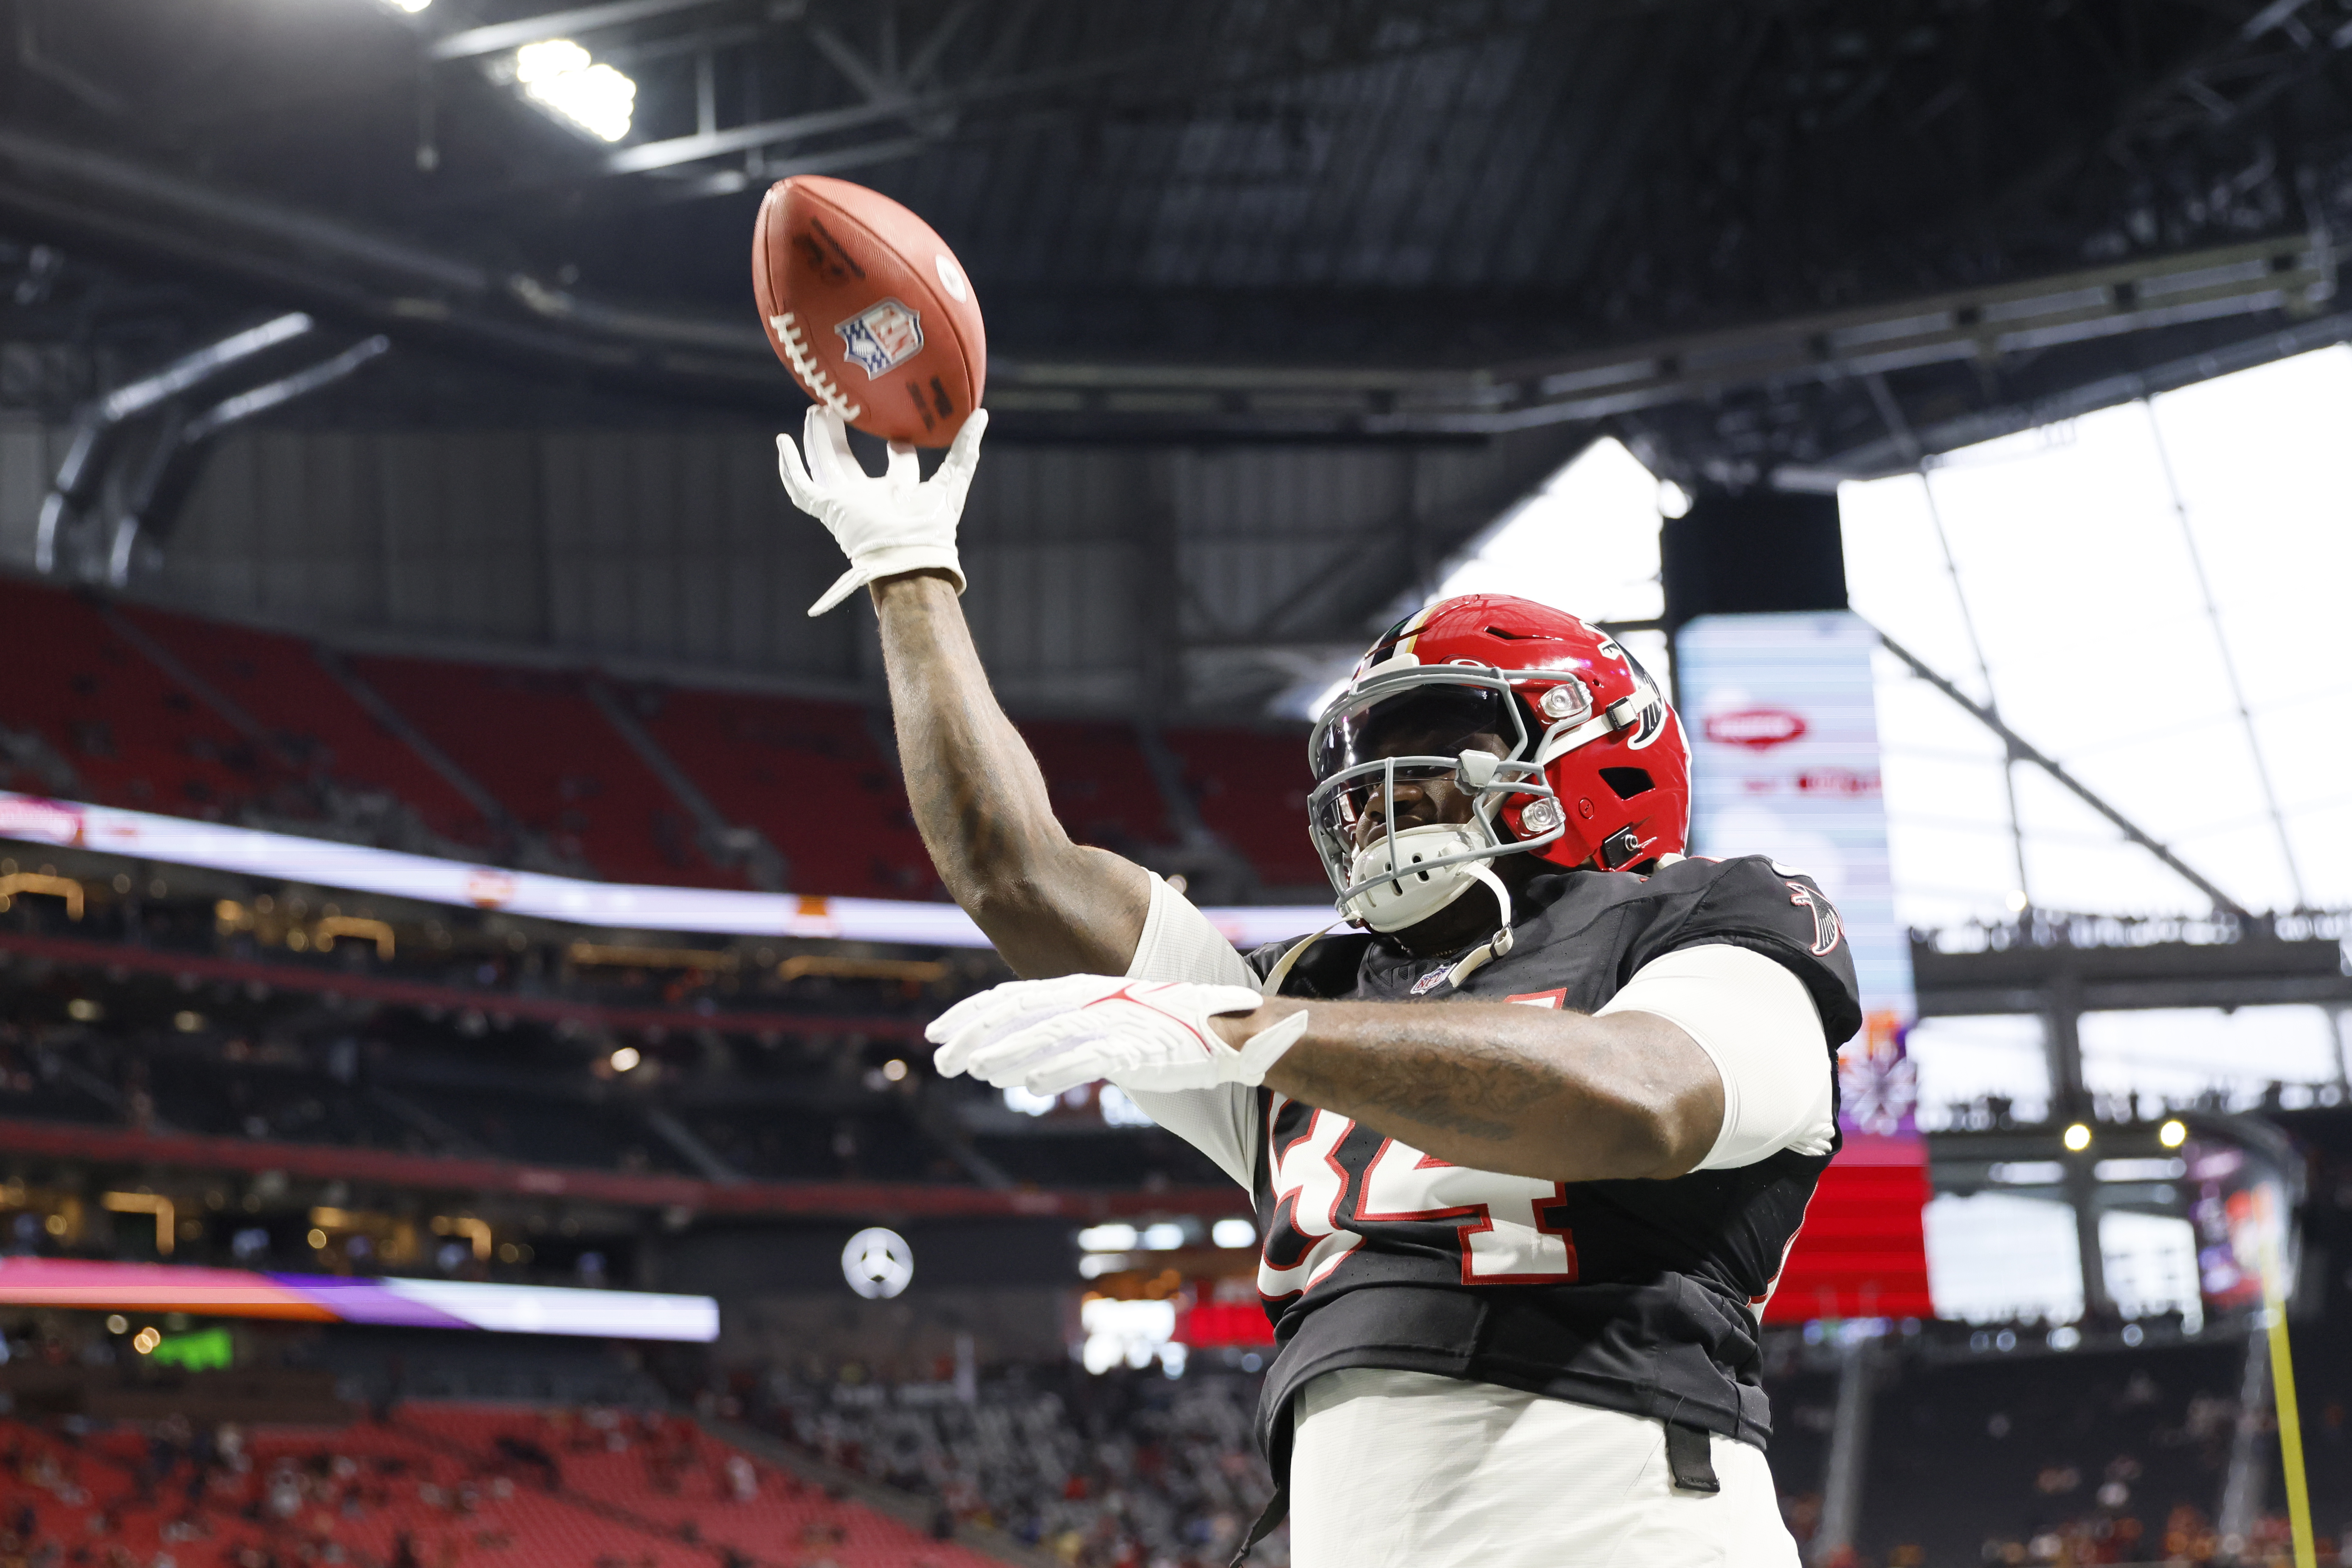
(882, 337)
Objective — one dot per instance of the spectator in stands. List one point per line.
(525, 1452)
(1126, 1469)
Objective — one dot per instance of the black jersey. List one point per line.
(1638, 1295)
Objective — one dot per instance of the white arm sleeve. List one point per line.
(1757, 1022)
(1179, 943)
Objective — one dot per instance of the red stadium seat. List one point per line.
(809, 776)
(133, 735)
(535, 740)
(278, 680)
(1100, 784)
(1250, 787)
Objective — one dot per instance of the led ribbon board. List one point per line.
(336, 1298)
(318, 862)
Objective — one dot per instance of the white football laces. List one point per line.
(809, 368)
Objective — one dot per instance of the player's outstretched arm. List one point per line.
(1052, 907)
(1626, 1094)
(1562, 1097)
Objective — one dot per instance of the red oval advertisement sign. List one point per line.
(1755, 727)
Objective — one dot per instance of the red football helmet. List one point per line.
(1597, 771)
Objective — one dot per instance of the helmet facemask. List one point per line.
(1424, 725)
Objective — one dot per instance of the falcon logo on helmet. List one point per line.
(1595, 772)
(1651, 722)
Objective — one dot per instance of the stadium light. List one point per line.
(626, 1057)
(2157, 1170)
(2173, 1133)
(1134, 1333)
(2078, 1137)
(1111, 1237)
(560, 77)
(409, 6)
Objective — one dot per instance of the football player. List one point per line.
(1528, 1139)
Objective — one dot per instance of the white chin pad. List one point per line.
(1410, 897)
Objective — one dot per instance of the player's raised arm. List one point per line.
(1051, 906)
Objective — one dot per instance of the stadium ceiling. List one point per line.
(1758, 239)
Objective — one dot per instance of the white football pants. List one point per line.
(1403, 1470)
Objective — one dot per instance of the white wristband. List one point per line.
(890, 561)
(1268, 1047)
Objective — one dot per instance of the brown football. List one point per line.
(869, 309)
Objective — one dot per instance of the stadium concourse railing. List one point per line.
(750, 1197)
(23, 1138)
(419, 993)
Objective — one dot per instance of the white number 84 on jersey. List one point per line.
(1321, 1213)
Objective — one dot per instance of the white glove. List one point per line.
(899, 523)
(1046, 1035)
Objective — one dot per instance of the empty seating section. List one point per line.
(33, 1082)
(192, 1095)
(809, 776)
(1153, 1158)
(132, 736)
(535, 740)
(1102, 788)
(876, 1142)
(279, 682)
(1251, 786)
(455, 1486)
(558, 1131)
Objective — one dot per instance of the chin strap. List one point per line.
(1272, 984)
(1495, 946)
